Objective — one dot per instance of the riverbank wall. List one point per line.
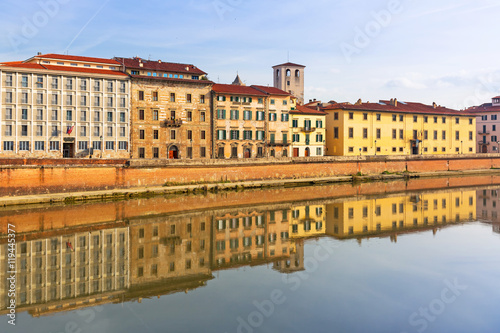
(30, 176)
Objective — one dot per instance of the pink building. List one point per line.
(488, 126)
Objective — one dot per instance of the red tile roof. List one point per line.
(487, 107)
(236, 90)
(160, 66)
(402, 107)
(290, 64)
(307, 110)
(72, 69)
(76, 58)
(271, 90)
(161, 78)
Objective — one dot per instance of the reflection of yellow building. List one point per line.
(307, 221)
(355, 218)
(398, 128)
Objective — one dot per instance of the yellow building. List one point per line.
(308, 131)
(250, 121)
(398, 128)
(359, 218)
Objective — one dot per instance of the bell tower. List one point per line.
(290, 78)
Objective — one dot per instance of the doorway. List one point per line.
(173, 153)
(307, 152)
(295, 152)
(248, 153)
(69, 150)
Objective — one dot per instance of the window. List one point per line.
(141, 95)
(365, 133)
(8, 130)
(8, 114)
(141, 114)
(202, 116)
(426, 135)
(435, 120)
(260, 115)
(110, 86)
(172, 97)
(415, 119)
(8, 145)
(435, 135)
(443, 135)
(401, 134)
(394, 117)
(24, 145)
(155, 96)
(156, 152)
(351, 132)
(234, 114)
(351, 115)
(172, 134)
(401, 117)
(110, 116)
(335, 116)
(284, 117)
(82, 145)
(188, 98)
(39, 145)
(69, 115)
(378, 133)
(319, 124)
(394, 135)
(24, 130)
(110, 145)
(444, 120)
(221, 114)
(122, 131)
(319, 137)
(141, 134)
(247, 115)
(457, 135)
(110, 131)
(83, 131)
(335, 132)
(365, 116)
(155, 134)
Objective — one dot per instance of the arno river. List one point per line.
(417, 256)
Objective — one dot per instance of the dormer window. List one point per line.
(195, 77)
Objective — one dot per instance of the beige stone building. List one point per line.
(170, 110)
(250, 121)
(56, 105)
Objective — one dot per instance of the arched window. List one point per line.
(288, 72)
(297, 73)
(277, 73)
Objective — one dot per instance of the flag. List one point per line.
(70, 129)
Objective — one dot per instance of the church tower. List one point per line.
(290, 78)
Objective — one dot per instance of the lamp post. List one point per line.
(375, 147)
(461, 147)
(359, 152)
(498, 145)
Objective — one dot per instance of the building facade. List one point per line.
(308, 131)
(250, 121)
(64, 106)
(170, 110)
(398, 128)
(487, 126)
(289, 77)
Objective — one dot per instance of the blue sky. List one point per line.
(423, 51)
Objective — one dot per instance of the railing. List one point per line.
(279, 143)
(308, 129)
(172, 123)
(484, 143)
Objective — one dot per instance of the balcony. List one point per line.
(308, 129)
(484, 143)
(483, 132)
(172, 123)
(278, 143)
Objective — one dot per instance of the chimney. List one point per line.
(310, 101)
(159, 61)
(39, 53)
(434, 105)
(395, 102)
(359, 102)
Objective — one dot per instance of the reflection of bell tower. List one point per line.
(295, 262)
(290, 78)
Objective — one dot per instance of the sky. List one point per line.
(441, 51)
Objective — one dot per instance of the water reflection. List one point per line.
(110, 255)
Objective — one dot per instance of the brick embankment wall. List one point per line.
(82, 175)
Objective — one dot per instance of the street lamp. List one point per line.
(360, 152)
(375, 147)
(498, 145)
(461, 147)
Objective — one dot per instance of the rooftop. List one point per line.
(307, 110)
(135, 63)
(291, 64)
(236, 89)
(74, 58)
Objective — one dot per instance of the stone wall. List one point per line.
(39, 176)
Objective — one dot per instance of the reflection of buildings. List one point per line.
(358, 218)
(148, 256)
(169, 248)
(250, 237)
(487, 202)
(69, 271)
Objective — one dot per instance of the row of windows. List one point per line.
(239, 99)
(395, 117)
(171, 268)
(415, 135)
(247, 135)
(248, 115)
(55, 145)
(70, 83)
(485, 117)
(142, 134)
(55, 130)
(55, 115)
(167, 75)
(155, 97)
(70, 100)
(141, 151)
(401, 149)
(155, 115)
(307, 124)
(296, 138)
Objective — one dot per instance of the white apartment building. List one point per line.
(57, 106)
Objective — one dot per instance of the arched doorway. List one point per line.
(307, 153)
(247, 153)
(272, 153)
(173, 153)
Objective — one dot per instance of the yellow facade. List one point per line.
(307, 221)
(358, 218)
(308, 132)
(361, 132)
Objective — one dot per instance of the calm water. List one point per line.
(371, 258)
